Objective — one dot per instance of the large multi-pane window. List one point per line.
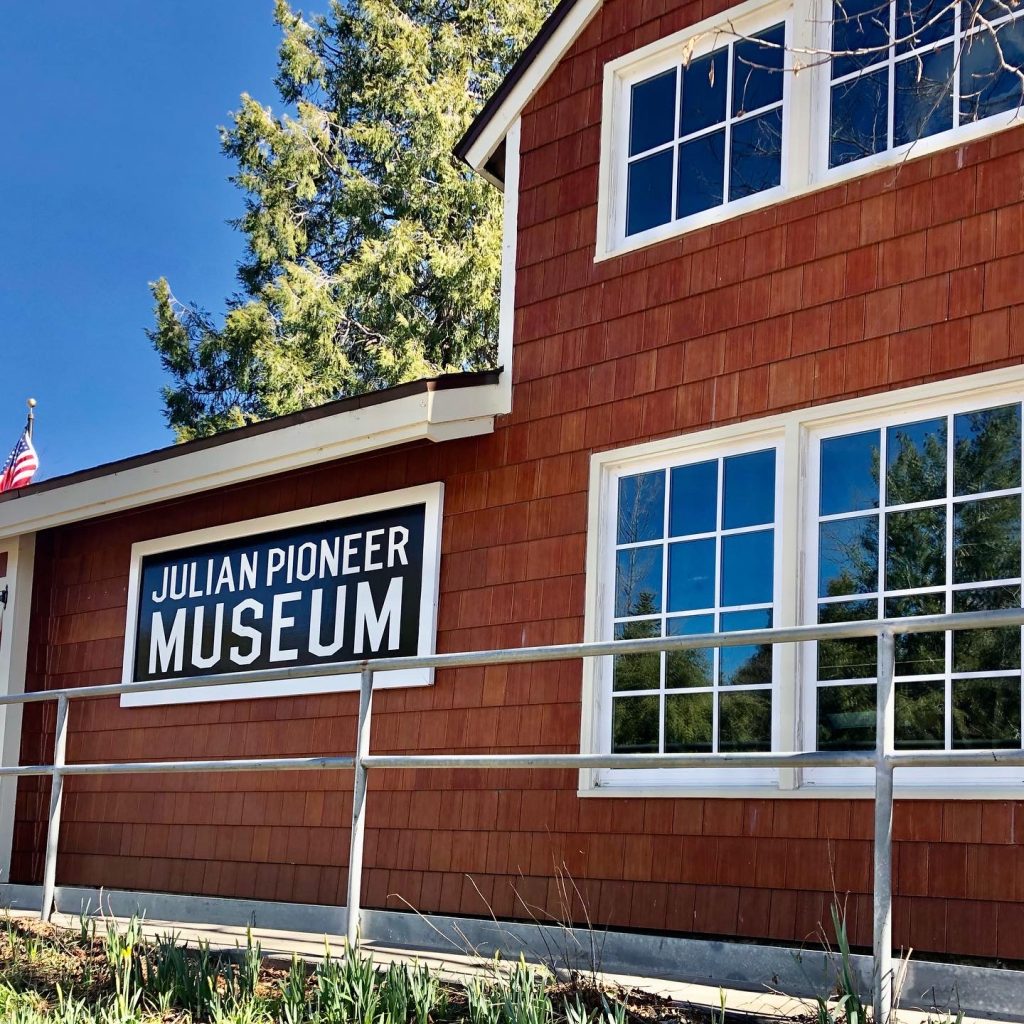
(907, 69)
(922, 518)
(706, 132)
(731, 116)
(891, 508)
(695, 553)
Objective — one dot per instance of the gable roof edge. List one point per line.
(489, 128)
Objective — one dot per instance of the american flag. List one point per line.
(20, 466)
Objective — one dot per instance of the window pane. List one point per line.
(748, 564)
(638, 581)
(745, 721)
(915, 548)
(922, 22)
(641, 507)
(749, 490)
(846, 718)
(859, 25)
(694, 499)
(757, 70)
(986, 540)
(921, 715)
(635, 725)
(756, 160)
(750, 665)
(986, 450)
(986, 650)
(848, 557)
(691, 575)
(923, 98)
(849, 472)
(989, 82)
(649, 201)
(690, 668)
(986, 713)
(916, 456)
(848, 659)
(972, 11)
(688, 723)
(637, 671)
(919, 22)
(859, 120)
(704, 88)
(918, 654)
(652, 113)
(701, 174)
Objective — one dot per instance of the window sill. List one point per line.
(803, 793)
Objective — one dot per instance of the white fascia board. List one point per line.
(525, 89)
(440, 415)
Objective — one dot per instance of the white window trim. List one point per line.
(705, 777)
(805, 120)
(430, 495)
(946, 778)
(797, 429)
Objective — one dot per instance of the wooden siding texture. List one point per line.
(886, 281)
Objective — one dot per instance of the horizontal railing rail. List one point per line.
(553, 652)
(883, 758)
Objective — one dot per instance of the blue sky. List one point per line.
(111, 176)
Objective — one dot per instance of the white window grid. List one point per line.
(716, 610)
(806, 108)
(679, 140)
(948, 590)
(796, 437)
(959, 38)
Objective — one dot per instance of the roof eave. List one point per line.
(439, 409)
(489, 128)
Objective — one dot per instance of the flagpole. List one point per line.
(31, 417)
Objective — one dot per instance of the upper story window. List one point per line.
(783, 96)
(909, 69)
(707, 132)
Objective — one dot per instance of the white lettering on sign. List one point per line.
(322, 591)
(244, 632)
(167, 653)
(372, 622)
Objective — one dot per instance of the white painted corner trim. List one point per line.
(438, 415)
(509, 255)
(14, 627)
(431, 496)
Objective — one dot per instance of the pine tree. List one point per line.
(371, 256)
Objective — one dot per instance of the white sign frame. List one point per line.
(429, 495)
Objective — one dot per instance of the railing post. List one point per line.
(884, 746)
(60, 744)
(355, 854)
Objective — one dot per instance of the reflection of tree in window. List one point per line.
(963, 533)
(639, 671)
(924, 54)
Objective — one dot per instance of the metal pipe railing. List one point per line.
(884, 759)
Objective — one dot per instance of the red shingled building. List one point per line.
(761, 351)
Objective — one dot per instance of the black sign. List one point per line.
(326, 592)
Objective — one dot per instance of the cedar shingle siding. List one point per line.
(896, 278)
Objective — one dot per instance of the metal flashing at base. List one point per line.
(979, 991)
